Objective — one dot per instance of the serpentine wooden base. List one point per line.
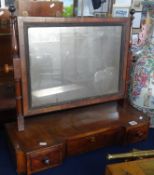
(48, 139)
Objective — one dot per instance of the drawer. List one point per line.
(45, 158)
(91, 141)
(137, 133)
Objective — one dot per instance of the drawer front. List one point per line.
(80, 144)
(45, 158)
(137, 133)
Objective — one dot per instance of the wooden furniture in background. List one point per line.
(7, 95)
(140, 167)
(48, 139)
(39, 8)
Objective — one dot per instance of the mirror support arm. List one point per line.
(17, 69)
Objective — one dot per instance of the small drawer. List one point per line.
(137, 133)
(91, 141)
(45, 158)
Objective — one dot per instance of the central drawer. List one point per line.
(45, 158)
(93, 140)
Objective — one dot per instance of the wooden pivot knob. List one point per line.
(7, 68)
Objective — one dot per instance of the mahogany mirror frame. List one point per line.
(23, 22)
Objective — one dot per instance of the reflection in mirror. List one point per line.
(68, 7)
(73, 63)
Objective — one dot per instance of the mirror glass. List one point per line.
(73, 63)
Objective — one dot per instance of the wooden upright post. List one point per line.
(17, 69)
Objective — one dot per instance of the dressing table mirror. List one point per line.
(71, 84)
